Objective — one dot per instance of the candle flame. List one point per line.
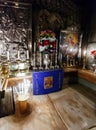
(84, 52)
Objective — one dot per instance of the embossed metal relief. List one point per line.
(91, 56)
(69, 48)
(15, 28)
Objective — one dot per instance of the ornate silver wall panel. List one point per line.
(15, 27)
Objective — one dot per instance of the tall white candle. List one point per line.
(7, 55)
(56, 45)
(67, 60)
(80, 43)
(27, 54)
(84, 53)
(34, 46)
(18, 54)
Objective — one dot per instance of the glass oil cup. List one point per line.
(13, 67)
(4, 69)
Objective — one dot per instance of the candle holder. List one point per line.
(34, 62)
(67, 60)
(51, 61)
(40, 62)
(46, 61)
(56, 60)
(84, 60)
(71, 62)
(28, 61)
(23, 94)
(84, 63)
(79, 61)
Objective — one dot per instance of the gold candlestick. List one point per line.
(84, 63)
(73, 61)
(67, 61)
(84, 59)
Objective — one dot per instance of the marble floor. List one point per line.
(72, 108)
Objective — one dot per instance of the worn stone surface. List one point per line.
(71, 108)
